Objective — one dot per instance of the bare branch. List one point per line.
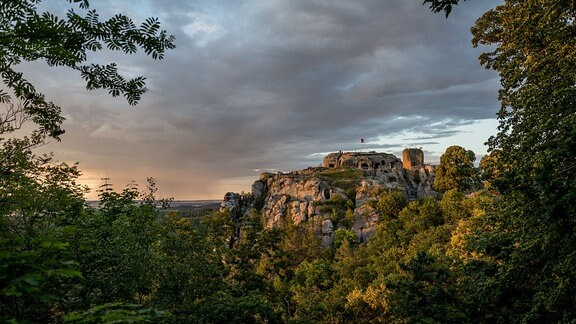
(13, 118)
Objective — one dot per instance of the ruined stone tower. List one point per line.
(412, 159)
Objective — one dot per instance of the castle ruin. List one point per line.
(376, 162)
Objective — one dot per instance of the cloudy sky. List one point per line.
(274, 84)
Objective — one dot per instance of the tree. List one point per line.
(189, 268)
(311, 286)
(28, 35)
(41, 205)
(534, 52)
(391, 203)
(532, 45)
(535, 57)
(39, 202)
(453, 205)
(424, 293)
(113, 248)
(456, 170)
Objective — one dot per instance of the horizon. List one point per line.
(270, 85)
(176, 200)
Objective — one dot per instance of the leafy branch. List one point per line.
(28, 35)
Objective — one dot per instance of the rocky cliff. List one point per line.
(334, 196)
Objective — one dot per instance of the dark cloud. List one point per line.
(262, 84)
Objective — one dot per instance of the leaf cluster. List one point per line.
(456, 170)
(442, 5)
(29, 35)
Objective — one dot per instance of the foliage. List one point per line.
(412, 273)
(527, 244)
(491, 170)
(535, 59)
(533, 50)
(342, 236)
(116, 312)
(348, 219)
(340, 210)
(39, 202)
(53, 244)
(29, 35)
(391, 203)
(456, 170)
(345, 179)
(113, 247)
(442, 5)
(225, 308)
(189, 268)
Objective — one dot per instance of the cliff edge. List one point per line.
(341, 194)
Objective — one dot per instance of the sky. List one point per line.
(259, 85)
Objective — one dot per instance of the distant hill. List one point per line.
(184, 207)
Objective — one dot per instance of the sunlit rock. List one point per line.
(348, 183)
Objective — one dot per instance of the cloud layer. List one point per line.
(260, 84)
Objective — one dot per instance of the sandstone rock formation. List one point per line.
(346, 182)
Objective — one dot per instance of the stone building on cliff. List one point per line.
(367, 161)
(376, 162)
(315, 196)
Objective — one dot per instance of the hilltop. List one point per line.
(340, 194)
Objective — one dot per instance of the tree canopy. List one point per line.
(29, 35)
(533, 49)
(456, 170)
(534, 55)
(531, 44)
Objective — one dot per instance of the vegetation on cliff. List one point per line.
(345, 179)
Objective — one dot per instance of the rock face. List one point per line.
(296, 195)
(327, 197)
(237, 205)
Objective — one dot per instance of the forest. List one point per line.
(500, 252)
